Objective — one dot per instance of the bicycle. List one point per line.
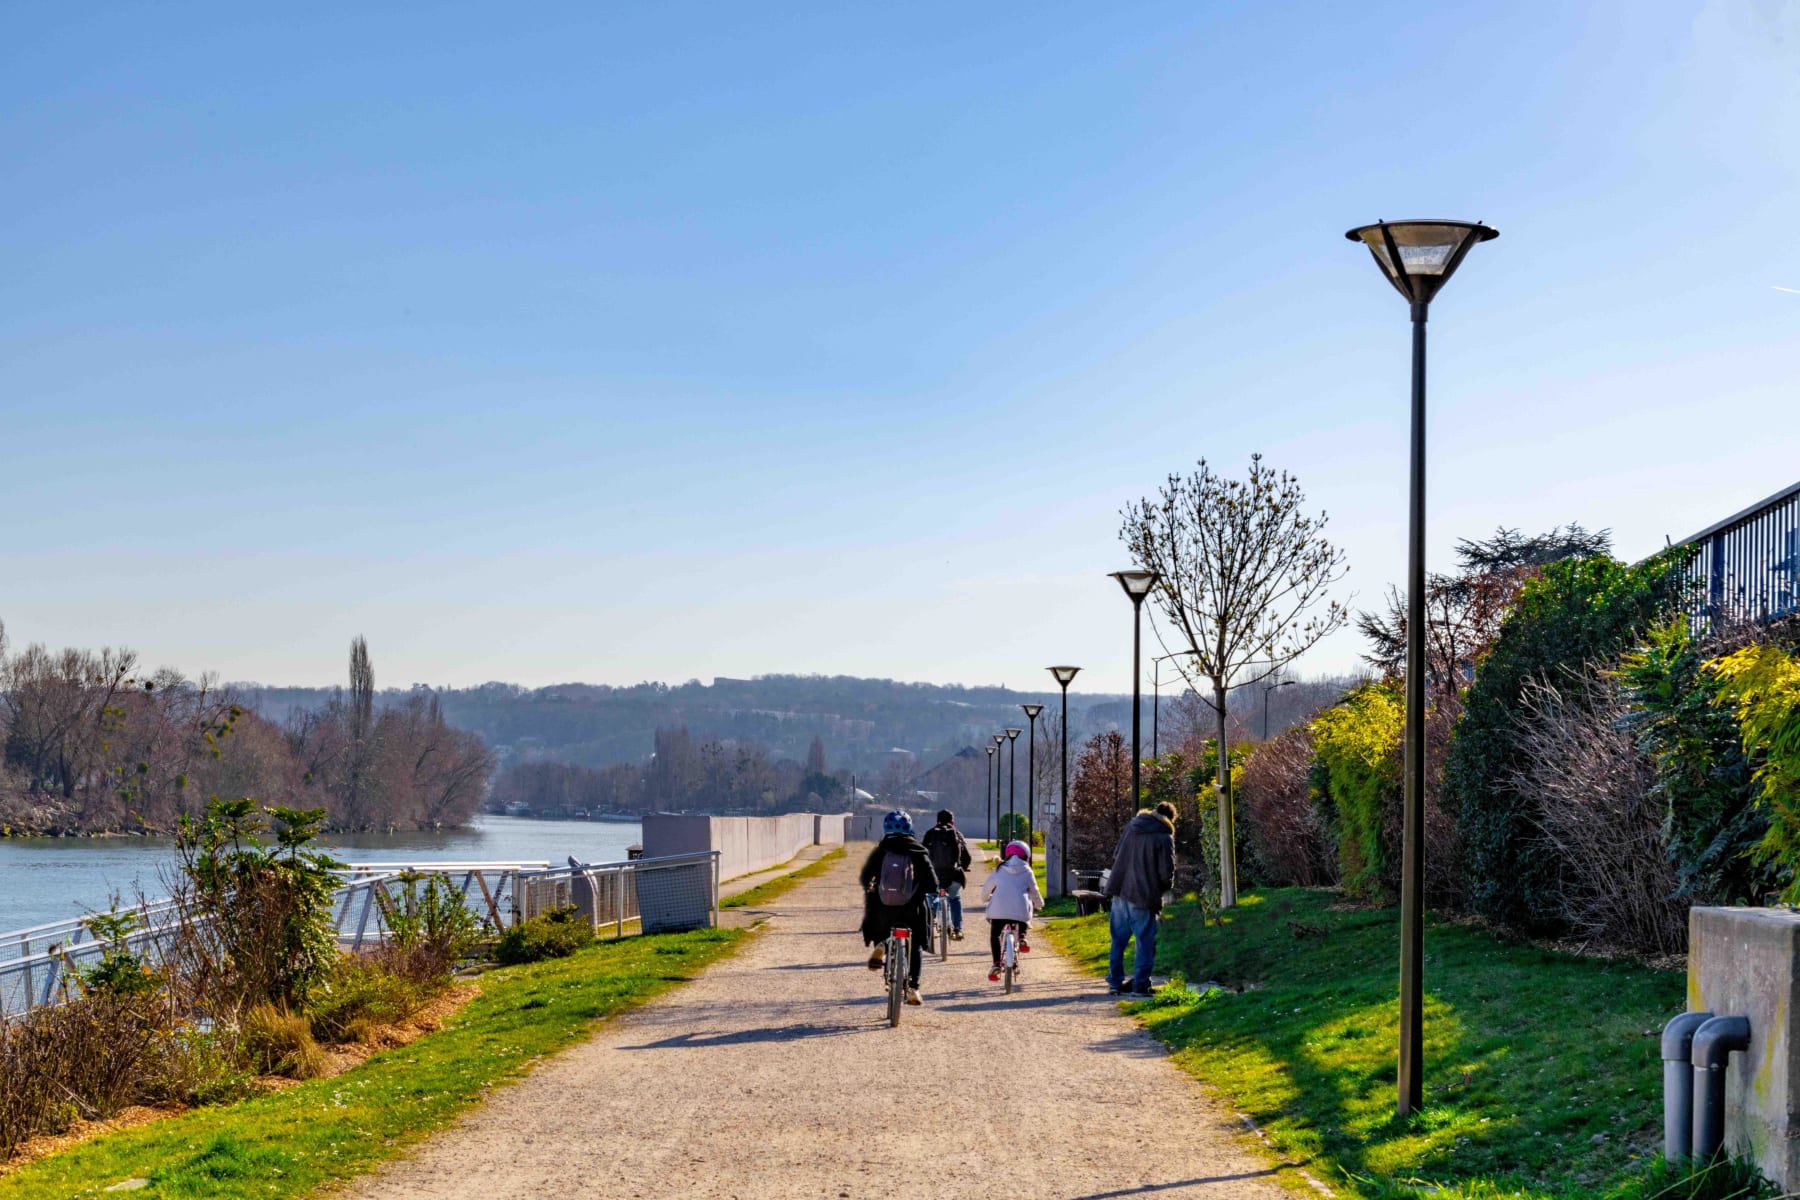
(940, 923)
(1009, 954)
(899, 956)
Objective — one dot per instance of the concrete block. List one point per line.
(1745, 962)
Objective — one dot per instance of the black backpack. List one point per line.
(895, 885)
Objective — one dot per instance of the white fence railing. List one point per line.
(40, 965)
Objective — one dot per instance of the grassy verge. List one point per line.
(1543, 1070)
(287, 1144)
(764, 892)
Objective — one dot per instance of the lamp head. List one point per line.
(1013, 733)
(1065, 675)
(1418, 257)
(1032, 710)
(999, 739)
(1137, 584)
(992, 750)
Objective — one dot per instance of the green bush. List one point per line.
(361, 993)
(1013, 825)
(1578, 616)
(430, 929)
(556, 934)
(1354, 744)
(1680, 721)
(1762, 686)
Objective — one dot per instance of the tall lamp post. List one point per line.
(1012, 776)
(1031, 716)
(992, 788)
(994, 825)
(1267, 688)
(1418, 258)
(1064, 676)
(1137, 585)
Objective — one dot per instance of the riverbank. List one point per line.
(1543, 1073)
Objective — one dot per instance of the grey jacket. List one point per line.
(1144, 865)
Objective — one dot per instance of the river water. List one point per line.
(52, 879)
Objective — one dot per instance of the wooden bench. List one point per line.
(1087, 901)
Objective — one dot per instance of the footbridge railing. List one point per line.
(42, 964)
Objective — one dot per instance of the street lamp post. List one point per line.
(1418, 258)
(994, 825)
(987, 797)
(1137, 585)
(1012, 778)
(1064, 676)
(1031, 716)
(1267, 688)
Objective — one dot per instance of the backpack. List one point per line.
(895, 885)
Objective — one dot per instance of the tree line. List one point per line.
(95, 742)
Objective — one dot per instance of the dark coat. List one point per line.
(949, 854)
(879, 918)
(1144, 866)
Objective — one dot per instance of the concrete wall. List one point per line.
(745, 844)
(1745, 962)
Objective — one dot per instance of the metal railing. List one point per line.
(41, 965)
(1747, 567)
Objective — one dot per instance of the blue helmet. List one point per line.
(895, 822)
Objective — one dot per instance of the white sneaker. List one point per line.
(913, 997)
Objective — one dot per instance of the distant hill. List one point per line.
(860, 721)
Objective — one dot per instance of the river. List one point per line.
(51, 879)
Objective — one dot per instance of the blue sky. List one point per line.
(666, 341)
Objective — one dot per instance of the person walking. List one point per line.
(1143, 870)
(896, 878)
(950, 856)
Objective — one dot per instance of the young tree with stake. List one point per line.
(1244, 574)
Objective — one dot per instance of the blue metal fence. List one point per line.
(1747, 567)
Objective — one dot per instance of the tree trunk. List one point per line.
(1227, 832)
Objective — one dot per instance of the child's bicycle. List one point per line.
(899, 956)
(1009, 954)
(940, 923)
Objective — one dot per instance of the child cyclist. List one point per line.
(1011, 893)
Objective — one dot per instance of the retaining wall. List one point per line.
(745, 844)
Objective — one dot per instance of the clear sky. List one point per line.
(617, 342)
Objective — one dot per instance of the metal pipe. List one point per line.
(1713, 1043)
(1678, 1085)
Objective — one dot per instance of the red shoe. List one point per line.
(994, 975)
(1024, 946)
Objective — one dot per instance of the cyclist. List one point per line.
(896, 879)
(1011, 893)
(950, 855)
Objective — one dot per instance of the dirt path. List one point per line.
(774, 1075)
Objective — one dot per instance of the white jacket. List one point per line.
(1011, 892)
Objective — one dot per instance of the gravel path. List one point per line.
(774, 1075)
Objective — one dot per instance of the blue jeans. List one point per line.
(955, 890)
(1129, 921)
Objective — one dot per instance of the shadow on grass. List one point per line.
(1542, 1069)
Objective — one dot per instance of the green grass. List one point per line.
(287, 1144)
(762, 893)
(1530, 1054)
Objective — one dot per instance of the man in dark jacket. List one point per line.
(950, 855)
(1143, 869)
(882, 914)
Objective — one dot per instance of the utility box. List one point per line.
(1745, 962)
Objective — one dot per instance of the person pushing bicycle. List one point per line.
(896, 878)
(1011, 894)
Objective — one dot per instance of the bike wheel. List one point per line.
(896, 982)
(1009, 978)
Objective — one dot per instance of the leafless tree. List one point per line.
(1244, 582)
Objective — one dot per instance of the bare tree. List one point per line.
(1243, 576)
(360, 747)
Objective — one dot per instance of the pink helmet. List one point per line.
(1016, 849)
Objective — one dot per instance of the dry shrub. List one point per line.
(279, 1041)
(1288, 837)
(1592, 808)
(86, 1058)
(363, 993)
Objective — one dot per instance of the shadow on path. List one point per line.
(739, 1037)
(1151, 1188)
